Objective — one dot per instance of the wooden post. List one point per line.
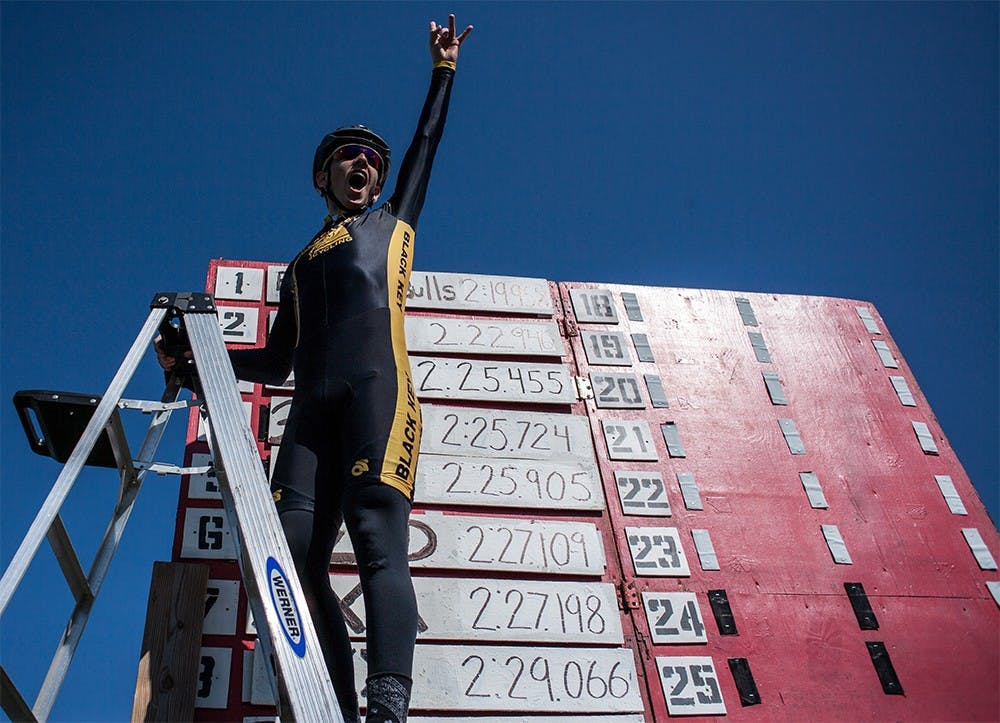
(168, 665)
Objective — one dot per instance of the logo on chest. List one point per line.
(327, 240)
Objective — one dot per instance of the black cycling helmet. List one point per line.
(346, 136)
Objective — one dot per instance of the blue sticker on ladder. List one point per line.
(284, 604)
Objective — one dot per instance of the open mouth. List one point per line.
(357, 180)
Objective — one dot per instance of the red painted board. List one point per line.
(858, 438)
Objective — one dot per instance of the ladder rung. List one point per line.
(68, 560)
(146, 406)
(162, 468)
(14, 704)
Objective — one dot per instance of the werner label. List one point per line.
(285, 606)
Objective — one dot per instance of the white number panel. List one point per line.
(564, 485)
(509, 678)
(275, 275)
(502, 610)
(657, 551)
(440, 378)
(202, 486)
(238, 283)
(256, 683)
(221, 599)
(238, 324)
(606, 348)
(690, 685)
(616, 390)
(203, 428)
(486, 337)
(629, 439)
(475, 292)
(485, 432)
(213, 678)
(207, 534)
(272, 461)
(642, 493)
(459, 542)
(674, 617)
(505, 433)
(593, 305)
(277, 416)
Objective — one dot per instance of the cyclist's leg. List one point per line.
(308, 503)
(376, 512)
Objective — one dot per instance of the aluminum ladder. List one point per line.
(299, 678)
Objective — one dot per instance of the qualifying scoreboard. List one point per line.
(638, 503)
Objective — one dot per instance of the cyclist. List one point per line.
(349, 449)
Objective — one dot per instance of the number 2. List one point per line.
(233, 328)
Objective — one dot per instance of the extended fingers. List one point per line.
(445, 33)
(440, 31)
(445, 39)
(457, 39)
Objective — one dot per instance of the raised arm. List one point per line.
(414, 172)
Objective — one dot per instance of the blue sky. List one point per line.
(840, 149)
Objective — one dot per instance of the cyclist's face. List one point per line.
(352, 181)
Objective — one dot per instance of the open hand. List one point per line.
(444, 42)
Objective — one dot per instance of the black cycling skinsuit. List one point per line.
(350, 443)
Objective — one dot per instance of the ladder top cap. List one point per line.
(184, 302)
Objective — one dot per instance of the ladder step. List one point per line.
(54, 422)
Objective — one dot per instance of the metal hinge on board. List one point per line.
(628, 597)
(642, 645)
(584, 390)
(568, 326)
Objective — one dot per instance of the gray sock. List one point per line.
(388, 698)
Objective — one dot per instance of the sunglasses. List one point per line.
(349, 153)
